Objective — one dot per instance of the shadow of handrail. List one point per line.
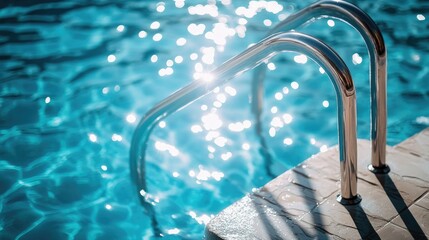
(401, 207)
(288, 221)
(363, 225)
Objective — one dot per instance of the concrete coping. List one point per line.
(301, 203)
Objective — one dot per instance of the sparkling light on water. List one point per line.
(221, 97)
(179, 3)
(226, 156)
(357, 59)
(154, 58)
(131, 118)
(142, 34)
(211, 135)
(211, 121)
(288, 141)
(196, 128)
(221, 141)
(120, 28)
(105, 90)
(230, 90)
(92, 137)
(202, 219)
(169, 71)
(116, 137)
(196, 29)
(245, 146)
(208, 55)
(165, 147)
(242, 21)
(211, 149)
(178, 59)
(162, 124)
(200, 9)
(325, 103)
(294, 85)
(193, 56)
(422, 120)
(173, 231)
(198, 67)
(247, 123)
(267, 22)
(277, 122)
(157, 37)
(111, 58)
(160, 7)
(155, 25)
(236, 127)
(287, 118)
(272, 132)
(256, 6)
(302, 59)
(220, 33)
(180, 41)
(274, 109)
(285, 90)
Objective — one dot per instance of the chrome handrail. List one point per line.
(253, 56)
(358, 19)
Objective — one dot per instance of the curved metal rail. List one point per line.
(253, 56)
(358, 19)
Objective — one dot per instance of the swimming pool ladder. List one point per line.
(335, 68)
(358, 19)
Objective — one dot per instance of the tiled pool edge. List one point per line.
(301, 202)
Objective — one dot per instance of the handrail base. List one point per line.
(379, 170)
(349, 201)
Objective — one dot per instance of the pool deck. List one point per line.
(301, 203)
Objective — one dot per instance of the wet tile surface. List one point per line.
(301, 203)
(424, 202)
(253, 218)
(415, 219)
(346, 222)
(391, 231)
(416, 145)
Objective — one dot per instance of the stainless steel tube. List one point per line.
(358, 19)
(253, 56)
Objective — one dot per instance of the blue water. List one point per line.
(78, 75)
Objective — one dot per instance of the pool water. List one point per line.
(78, 75)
